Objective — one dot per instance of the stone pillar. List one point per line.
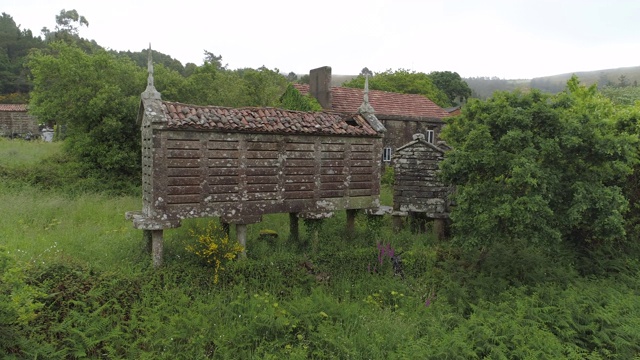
(294, 229)
(351, 221)
(398, 223)
(241, 234)
(146, 237)
(439, 229)
(156, 247)
(313, 229)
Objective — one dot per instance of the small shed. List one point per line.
(241, 163)
(16, 121)
(417, 191)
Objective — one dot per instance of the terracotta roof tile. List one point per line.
(347, 100)
(13, 107)
(265, 120)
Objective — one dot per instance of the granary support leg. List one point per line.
(156, 247)
(294, 229)
(146, 236)
(241, 235)
(439, 229)
(225, 227)
(351, 221)
(313, 228)
(398, 223)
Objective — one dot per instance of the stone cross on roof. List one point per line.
(366, 107)
(150, 92)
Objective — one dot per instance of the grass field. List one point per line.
(79, 284)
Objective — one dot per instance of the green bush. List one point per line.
(388, 176)
(19, 304)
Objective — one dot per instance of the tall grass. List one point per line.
(20, 153)
(37, 226)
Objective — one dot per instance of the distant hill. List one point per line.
(627, 76)
(483, 87)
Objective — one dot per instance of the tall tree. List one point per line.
(292, 77)
(15, 44)
(68, 24)
(140, 58)
(263, 86)
(292, 99)
(402, 81)
(451, 83)
(538, 168)
(99, 109)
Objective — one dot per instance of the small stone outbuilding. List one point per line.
(16, 121)
(417, 191)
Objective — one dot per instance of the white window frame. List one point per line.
(386, 154)
(430, 136)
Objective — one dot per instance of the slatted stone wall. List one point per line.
(235, 176)
(16, 122)
(417, 188)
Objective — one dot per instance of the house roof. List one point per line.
(13, 107)
(347, 100)
(265, 120)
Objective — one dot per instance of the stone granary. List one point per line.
(16, 121)
(402, 114)
(417, 191)
(241, 163)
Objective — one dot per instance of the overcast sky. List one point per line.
(510, 39)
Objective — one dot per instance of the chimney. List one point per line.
(320, 85)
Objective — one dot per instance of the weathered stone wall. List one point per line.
(417, 188)
(400, 131)
(17, 122)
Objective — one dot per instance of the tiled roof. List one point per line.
(265, 120)
(347, 100)
(13, 107)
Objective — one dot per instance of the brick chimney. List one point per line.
(320, 85)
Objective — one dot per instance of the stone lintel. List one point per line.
(241, 219)
(143, 223)
(315, 215)
(399, 213)
(379, 211)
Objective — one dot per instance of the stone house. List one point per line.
(15, 120)
(403, 115)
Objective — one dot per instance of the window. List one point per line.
(386, 154)
(430, 136)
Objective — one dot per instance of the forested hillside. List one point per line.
(483, 87)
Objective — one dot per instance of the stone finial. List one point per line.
(150, 92)
(418, 136)
(366, 107)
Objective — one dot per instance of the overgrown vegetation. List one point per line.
(547, 213)
(92, 293)
(540, 168)
(409, 82)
